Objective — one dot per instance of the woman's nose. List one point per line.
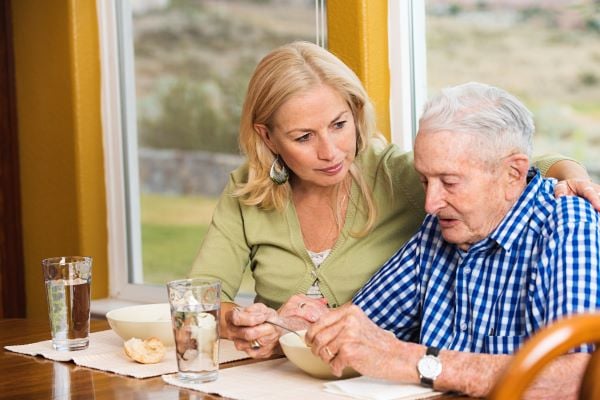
(326, 149)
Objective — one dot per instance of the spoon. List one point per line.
(285, 328)
(282, 327)
(302, 338)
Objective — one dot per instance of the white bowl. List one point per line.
(300, 355)
(143, 322)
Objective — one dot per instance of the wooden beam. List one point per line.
(12, 268)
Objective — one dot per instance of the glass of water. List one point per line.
(68, 286)
(195, 306)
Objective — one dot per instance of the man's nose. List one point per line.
(434, 198)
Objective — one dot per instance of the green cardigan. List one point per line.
(271, 243)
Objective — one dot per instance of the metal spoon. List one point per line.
(302, 338)
(281, 326)
(285, 328)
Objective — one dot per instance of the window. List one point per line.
(171, 104)
(173, 96)
(544, 52)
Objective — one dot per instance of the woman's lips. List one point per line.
(333, 169)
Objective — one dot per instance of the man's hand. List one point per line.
(345, 337)
(579, 187)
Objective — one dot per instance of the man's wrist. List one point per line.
(429, 367)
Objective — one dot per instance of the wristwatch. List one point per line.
(429, 366)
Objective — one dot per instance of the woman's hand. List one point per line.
(249, 332)
(300, 311)
(579, 187)
(574, 180)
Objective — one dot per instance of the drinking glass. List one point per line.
(195, 306)
(68, 286)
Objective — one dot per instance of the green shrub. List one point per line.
(588, 78)
(191, 116)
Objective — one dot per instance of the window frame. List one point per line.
(118, 110)
(407, 49)
(408, 90)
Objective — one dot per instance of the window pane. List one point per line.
(544, 52)
(192, 61)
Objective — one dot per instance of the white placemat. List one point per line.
(105, 353)
(285, 381)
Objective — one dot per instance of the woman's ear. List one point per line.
(264, 134)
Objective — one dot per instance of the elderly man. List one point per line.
(496, 259)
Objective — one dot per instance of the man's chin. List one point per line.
(451, 236)
(454, 237)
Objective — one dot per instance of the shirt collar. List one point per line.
(517, 218)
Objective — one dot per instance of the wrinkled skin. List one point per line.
(348, 338)
(245, 325)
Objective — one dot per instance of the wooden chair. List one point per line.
(547, 344)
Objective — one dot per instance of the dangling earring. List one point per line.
(278, 173)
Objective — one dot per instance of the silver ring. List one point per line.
(329, 353)
(301, 305)
(255, 344)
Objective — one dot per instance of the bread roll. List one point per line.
(149, 351)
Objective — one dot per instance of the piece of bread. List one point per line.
(149, 351)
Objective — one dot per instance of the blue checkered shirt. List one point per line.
(542, 262)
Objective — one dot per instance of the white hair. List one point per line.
(504, 125)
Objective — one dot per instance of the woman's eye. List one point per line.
(303, 138)
(339, 124)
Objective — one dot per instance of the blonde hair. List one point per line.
(283, 73)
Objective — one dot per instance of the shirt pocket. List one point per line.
(502, 344)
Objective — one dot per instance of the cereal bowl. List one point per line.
(300, 355)
(143, 322)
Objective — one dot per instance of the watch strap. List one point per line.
(432, 351)
(426, 382)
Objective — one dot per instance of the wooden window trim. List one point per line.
(12, 266)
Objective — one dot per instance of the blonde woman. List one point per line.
(322, 201)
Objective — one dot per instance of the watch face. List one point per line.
(429, 367)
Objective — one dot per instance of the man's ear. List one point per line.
(517, 166)
(264, 134)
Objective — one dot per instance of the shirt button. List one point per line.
(463, 326)
(467, 270)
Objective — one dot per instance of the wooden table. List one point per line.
(27, 377)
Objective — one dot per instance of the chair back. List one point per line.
(550, 342)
